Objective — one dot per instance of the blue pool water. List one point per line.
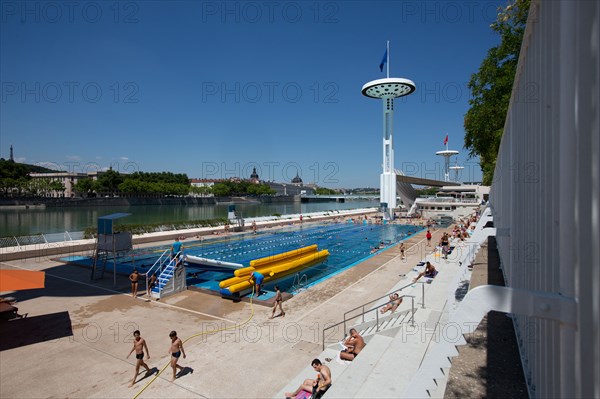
(348, 244)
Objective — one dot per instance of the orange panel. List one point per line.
(14, 280)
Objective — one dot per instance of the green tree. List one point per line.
(57, 186)
(109, 181)
(84, 186)
(222, 189)
(491, 88)
(325, 191)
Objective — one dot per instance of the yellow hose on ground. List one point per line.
(197, 335)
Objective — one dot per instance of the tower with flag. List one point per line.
(446, 154)
(386, 90)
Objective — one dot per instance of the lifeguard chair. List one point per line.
(109, 243)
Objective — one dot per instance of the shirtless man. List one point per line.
(321, 384)
(139, 344)
(134, 277)
(402, 250)
(278, 302)
(151, 283)
(395, 301)
(429, 272)
(354, 344)
(175, 351)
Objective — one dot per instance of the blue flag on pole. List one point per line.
(383, 61)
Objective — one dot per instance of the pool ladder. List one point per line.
(299, 282)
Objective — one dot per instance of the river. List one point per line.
(21, 222)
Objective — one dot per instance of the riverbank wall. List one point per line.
(87, 247)
(25, 202)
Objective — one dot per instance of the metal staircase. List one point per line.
(370, 321)
(170, 279)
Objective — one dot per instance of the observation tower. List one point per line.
(387, 89)
(446, 154)
(457, 169)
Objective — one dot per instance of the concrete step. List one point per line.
(337, 368)
(358, 371)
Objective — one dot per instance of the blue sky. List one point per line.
(212, 88)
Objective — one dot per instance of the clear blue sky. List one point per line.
(211, 89)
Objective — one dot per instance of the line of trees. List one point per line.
(164, 183)
(15, 180)
(229, 188)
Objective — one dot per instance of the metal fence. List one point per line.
(546, 197)
(40, 239)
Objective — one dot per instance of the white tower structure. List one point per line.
(456, 170)
(387, 89)
(447, 154)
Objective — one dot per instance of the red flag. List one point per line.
(446, 140)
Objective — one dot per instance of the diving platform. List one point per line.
(424, 182)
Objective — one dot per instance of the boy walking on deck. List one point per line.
(175, 351)
(139, 344)
(278, 302)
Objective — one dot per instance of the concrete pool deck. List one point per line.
(78, 333)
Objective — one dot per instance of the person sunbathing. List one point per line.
(395, 301)
(429, 272)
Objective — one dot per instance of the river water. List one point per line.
(20, 222)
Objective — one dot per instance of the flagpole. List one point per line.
(388, 59)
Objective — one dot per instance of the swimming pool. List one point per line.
(348, 244)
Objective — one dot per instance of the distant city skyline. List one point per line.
(213, 89)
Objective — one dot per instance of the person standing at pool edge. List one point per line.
(257, 279)
(278, 302)
(176, 248)
(134, 277)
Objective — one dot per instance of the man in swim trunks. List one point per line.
(318, 386)
(354, 344)
(257, 279)
(429, 272)
(139, 344)
(278, 301)
(152, 283)
(395, 301)
(134, 277)
(175, 351)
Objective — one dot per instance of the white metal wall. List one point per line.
(546, 197)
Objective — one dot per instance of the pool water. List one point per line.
(348, 244)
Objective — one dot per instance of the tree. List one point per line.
(84, 186)
(491, 88)
(57, 187)
(109, 181)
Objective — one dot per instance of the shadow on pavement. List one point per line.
(32, 330)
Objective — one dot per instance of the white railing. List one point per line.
(546, 194)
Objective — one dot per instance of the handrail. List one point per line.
(159, 263)
(385, 296)
(376, 309)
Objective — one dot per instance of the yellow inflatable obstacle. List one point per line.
(273, 268)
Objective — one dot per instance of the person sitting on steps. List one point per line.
(395, 301)
(429, 272)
